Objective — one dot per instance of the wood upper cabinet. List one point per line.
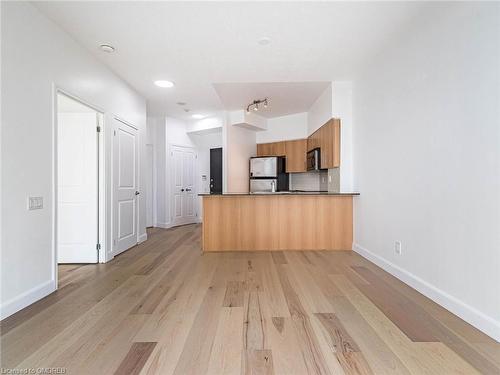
(327, 139)
(294, 151)
(330, 144)
(296, 155)
(271, 149)
(313, 140)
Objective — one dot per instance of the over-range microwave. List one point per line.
(314, 160)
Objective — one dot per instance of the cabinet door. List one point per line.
(278, 148)
(313, 140)
(264, 149)
(271, 149)
(330, 144)
(336, 143)
(296, 155)
(325, 145)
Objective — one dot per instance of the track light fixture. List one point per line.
(255, 104)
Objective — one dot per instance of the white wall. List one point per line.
(427, 159)
(207, 125)
(336, 102)
(204, 142)
(321, 111)
(47, 56)
(155, 138)
(171, 131)
(239, 144)
(168, 131)
(177, 133)
(342, 109)
(284, 128)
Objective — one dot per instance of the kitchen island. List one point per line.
(277, 221)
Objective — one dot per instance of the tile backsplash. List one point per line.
(333, 184)
(309, 181)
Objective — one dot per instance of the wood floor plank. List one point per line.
(111, 351)
(225, 356)
(154, 297)
(32, 334)
(170, 326)
(164, 307)
(466, 331)
(234, 294)
(309, 291)
(84, 336)
(345, 348)
(260, 362)
(313, 357)
(24, 315)
(287, 355)
(271, 287)
(436, 358)
(279, 257)
(490, 350)
(405, 314)
(417, 324)
(136, 358)
(196, 352)
(253, 324)
(362, 326)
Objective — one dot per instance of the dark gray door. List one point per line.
(216, 170)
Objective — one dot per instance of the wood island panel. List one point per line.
(277, 222)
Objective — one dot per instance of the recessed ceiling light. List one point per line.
(181, 103)
(264, 41)
(163, 83)
(107, 48)
(197, 116)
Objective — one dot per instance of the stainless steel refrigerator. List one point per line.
(268, 174)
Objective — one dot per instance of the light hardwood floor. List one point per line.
(165, 308)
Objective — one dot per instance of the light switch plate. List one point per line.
(35, 203)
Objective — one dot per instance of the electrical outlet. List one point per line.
(35, 203)
(397, 247)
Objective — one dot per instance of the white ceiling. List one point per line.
(197, 44)
(285, 98)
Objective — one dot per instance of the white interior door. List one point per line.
(125, 181)
(183, 190)
(77, 187)
(149, 185)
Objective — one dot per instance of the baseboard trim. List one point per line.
(27, 298)
(143, 237)
(163, 225)
(471, 315)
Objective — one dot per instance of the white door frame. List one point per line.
(153, 183)
(170, 176)
(56, 90)
(138, 186)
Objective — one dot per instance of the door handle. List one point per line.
(137, 192)
(188, 189)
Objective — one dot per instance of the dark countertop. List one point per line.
(295, 192)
